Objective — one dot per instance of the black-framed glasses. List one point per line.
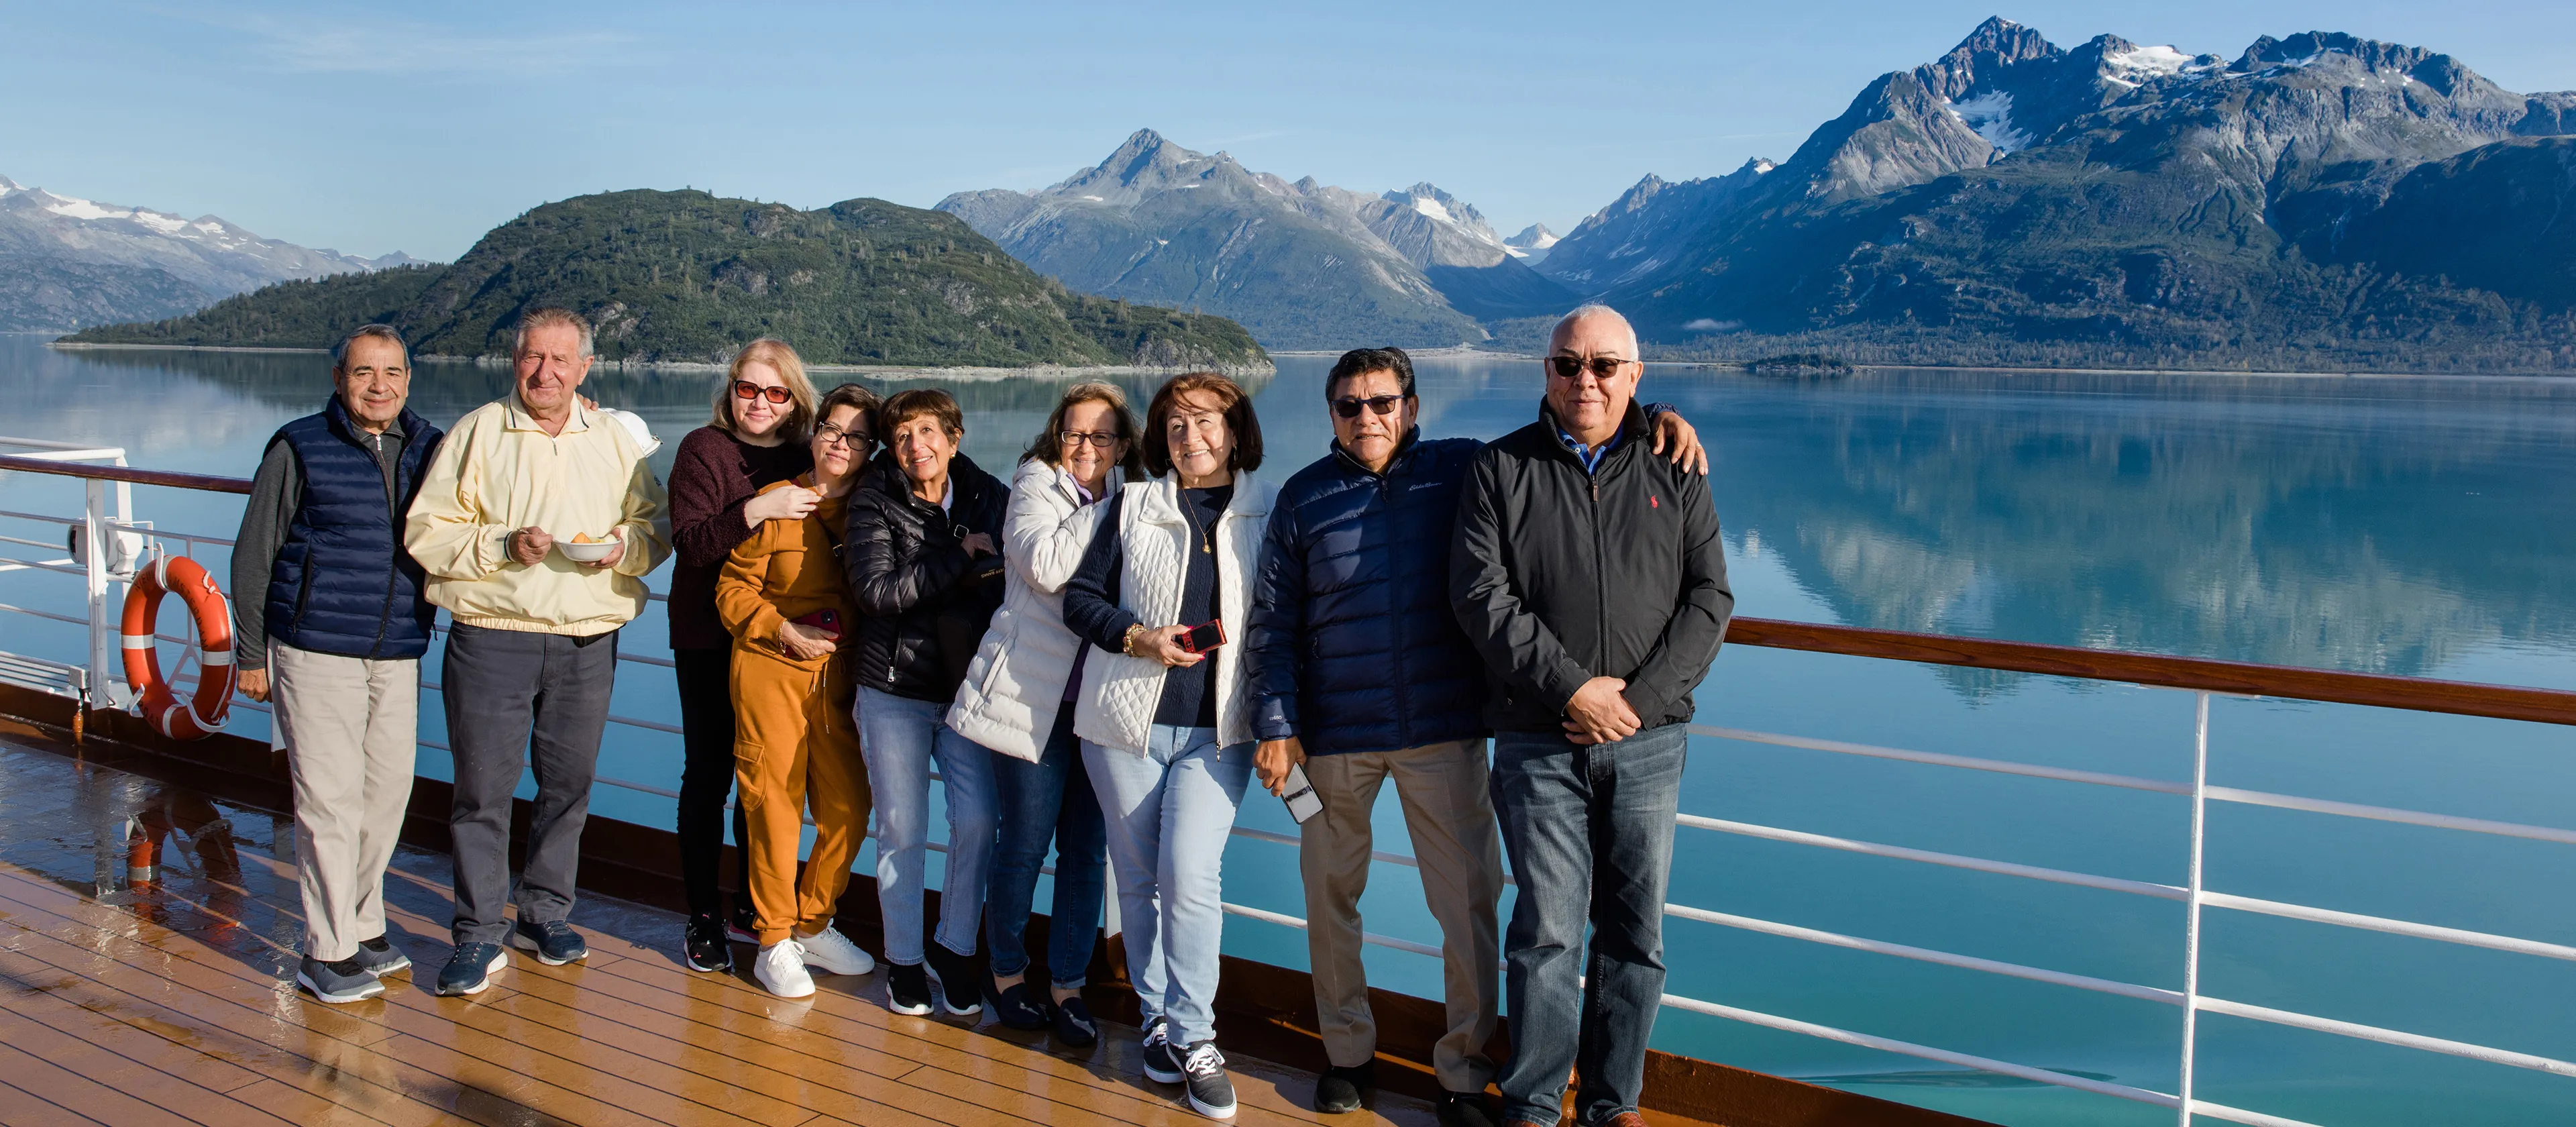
(1572, 367)
(846, 439)
(745, 389)
(1099, 438)
(1377, 404)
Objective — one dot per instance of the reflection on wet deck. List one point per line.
(148, 938)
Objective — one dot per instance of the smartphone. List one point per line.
(826, 620)
(1300, 795)
(1205, 637)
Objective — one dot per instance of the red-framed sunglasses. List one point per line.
(745, 389)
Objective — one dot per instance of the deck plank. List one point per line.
(22, 1108)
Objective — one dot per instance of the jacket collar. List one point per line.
(1161, 499)
(1632, 427)
(965, 481)
(515, 416)
(345, 425)
(1404, 448)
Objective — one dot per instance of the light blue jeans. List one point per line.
(1168, 813)
(900, 737)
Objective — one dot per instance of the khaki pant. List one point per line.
(1450, 815)
(350, 726)
(793, 745)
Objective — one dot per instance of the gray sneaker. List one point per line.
(1211, 1091)
(554, 941)
(1162, 1065)
(337, 983)
(380, 958)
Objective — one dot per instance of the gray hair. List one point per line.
(548, 315)
(1636, 349)
(380, 331)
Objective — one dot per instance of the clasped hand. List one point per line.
(1599, 713)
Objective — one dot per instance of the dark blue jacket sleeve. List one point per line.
(1091, 607)
(1276, 634)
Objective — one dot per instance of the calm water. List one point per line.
(2397, 526)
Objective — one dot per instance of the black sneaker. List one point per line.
(470, 969)
(703, 944)
(1073, 1024)
(1339, 1089)
(907, 989)
(1465, 1109)
(960, 991)
(378, 957)
(1162, 1065)
(554, 941)
(744, 927)
(1211, 1092)
(337, 983)
(1018, 1008)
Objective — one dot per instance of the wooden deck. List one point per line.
(172, 1002)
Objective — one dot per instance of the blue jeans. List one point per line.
(899, 737)
(1051, 798)
(1168, 813)
(1590, 833)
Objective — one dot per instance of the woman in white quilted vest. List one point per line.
(1018, 701)
(1164, 713)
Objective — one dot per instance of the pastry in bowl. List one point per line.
(585, 548)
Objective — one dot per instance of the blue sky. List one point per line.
(379, 127)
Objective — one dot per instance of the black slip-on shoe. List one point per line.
(907, 989)
(1073, 1023)
(1465, 1109)
(379, 957)
(554, 941)
(1019, 1008)
(337, 983)
(1210, 1090)
(1339, 1089)
(470, 969)
(704, 945)
(960, 984)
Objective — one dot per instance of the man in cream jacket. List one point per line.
(524, 487)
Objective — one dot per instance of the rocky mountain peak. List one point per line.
(1994, 45)
(1536, 236)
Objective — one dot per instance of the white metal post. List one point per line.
(103, 650)
(2191, 899)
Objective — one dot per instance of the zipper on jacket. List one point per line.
(393, 559)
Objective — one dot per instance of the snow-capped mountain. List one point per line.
(1532, 244)
(66, 262)
(1302, 264)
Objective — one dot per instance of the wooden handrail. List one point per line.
(2421, 694)
(207, 482)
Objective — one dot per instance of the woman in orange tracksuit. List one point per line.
(780, 594)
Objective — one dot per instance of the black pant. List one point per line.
(706, 777)
(515, 700)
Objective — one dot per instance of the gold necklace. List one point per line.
(1206, 539)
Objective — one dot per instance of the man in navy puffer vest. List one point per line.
(1360, 674)
(335, 645)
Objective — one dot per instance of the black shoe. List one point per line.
(1162, 1065)
(1339, 1089)
(1465, 1109)
(378, 957)
(1211, 1092)
(554, 941)
(470, 969)
(744, 927)
(1073, 1024)
(907, 989)
(1018, 1009)
(337, 983)
(703, 944)
(959, 989)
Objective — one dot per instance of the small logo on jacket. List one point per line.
(1652, 502)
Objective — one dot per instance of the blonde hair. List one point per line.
(791, 371)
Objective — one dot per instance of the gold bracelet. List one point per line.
(1127, 645)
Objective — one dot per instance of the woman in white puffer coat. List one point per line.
(1018, 701)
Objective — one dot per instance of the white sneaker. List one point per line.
(781, 970)
(833, 951)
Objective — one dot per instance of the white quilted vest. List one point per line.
(1119, 693)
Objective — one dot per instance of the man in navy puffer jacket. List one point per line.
(1360, 674)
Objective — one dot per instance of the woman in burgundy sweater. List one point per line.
(763, 411)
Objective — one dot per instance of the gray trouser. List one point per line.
(1449, 811)
(349, 725)
(518, 699)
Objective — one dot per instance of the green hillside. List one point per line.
(687, 276)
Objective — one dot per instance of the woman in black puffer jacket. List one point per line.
(924, 560)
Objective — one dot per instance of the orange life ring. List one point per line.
(203, 713)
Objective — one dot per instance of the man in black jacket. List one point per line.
(1590, 577)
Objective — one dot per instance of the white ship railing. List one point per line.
(107, 523)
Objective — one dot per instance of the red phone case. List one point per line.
(826, 620)
(1187, 639)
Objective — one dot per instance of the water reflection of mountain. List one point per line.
(2385, 526)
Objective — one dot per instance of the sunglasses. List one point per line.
(745, 389)
(1377, 404)
(1572, 367)
(1101, 439)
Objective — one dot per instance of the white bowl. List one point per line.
(586, 553)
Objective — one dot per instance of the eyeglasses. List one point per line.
(745, 389)
(847, 439)
(1572, 367)
(1378, 404)
(1102, 439)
